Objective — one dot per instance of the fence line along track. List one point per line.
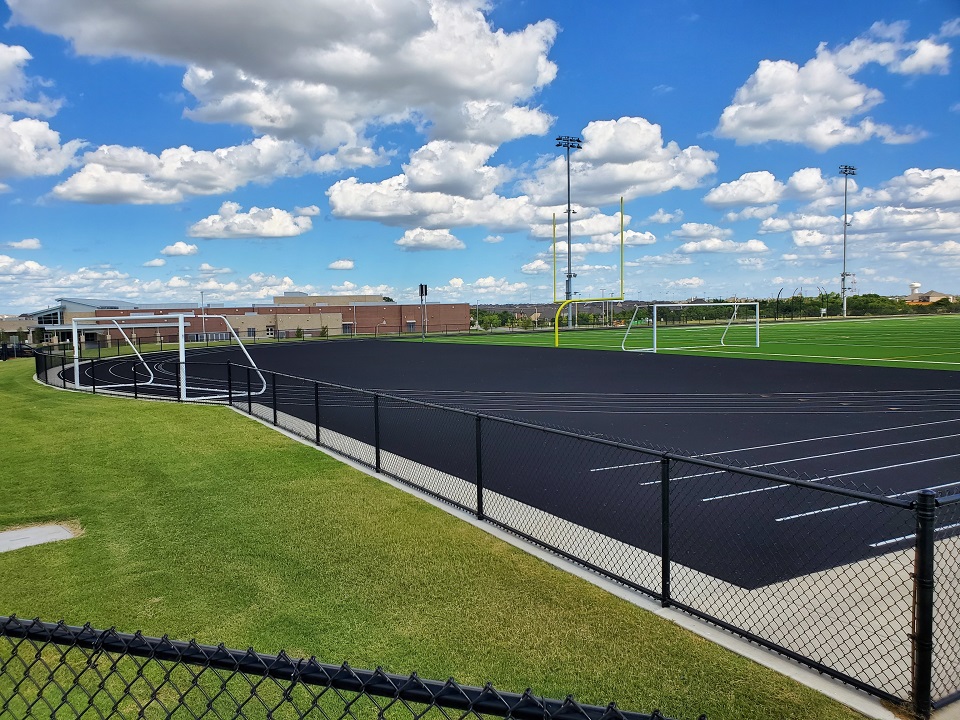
(883, 623)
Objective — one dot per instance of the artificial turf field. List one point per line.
(922, 341)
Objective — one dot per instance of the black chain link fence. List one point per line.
(55, 670)
(853, 599)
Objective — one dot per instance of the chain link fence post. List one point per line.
(665, 531)
(923, 596)
(376, 429)
(479, 471)
(273, 389)
(316, 412)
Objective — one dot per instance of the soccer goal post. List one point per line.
(693, 326)
(122, 323)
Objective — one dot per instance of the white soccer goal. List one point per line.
(693, 326)
(121, 323)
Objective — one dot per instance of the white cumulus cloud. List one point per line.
(30, 148)
(15, 85)
(343, 264)
(535, 268)
(716, 245)
(25, 244)
(663, 217)
(118, 174)
(818, 104)
(180, 248)
(155, 262)
(426, 239)
(332, 71)
(626, 157)
(753, 188)
(232, 222)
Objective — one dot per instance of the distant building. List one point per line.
(290, 315)
(925, 298)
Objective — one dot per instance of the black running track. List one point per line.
(896, 430)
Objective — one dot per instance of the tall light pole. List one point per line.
(569, 142)
(846, 171)
(203, 318)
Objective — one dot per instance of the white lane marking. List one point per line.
(861, 502)
(831, 477)
(911, 536)
(789, 442)
(817, 457)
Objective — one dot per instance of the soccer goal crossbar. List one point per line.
(701, 334)
(120, 323)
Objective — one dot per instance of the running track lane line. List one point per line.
(861, 502)
(911, 536)
(828, 477)
(784, 444)
(811, 457)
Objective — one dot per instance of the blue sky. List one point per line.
(152, 150)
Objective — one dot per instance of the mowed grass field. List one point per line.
(923, 341)
(200, 523)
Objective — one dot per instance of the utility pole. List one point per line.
(568, 142)
(846, 171)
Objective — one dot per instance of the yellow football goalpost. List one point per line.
(556, 319)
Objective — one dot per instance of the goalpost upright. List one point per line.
(556, 319)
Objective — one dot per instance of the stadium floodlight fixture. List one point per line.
(846, 171)
(569, 142)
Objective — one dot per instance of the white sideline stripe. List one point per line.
(789, 442)
(839, 475)
(861, 502)
(25, 537)
(911, 536)
(836, 357)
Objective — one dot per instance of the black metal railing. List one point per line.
(55, 670)
(873, 601)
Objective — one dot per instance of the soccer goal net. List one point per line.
(692, 326)
(165, 373)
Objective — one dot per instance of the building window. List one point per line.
(270, 330)
(348, 328)
(411, 325)
(251, 332)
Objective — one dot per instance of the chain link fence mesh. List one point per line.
(54, 670)
(946, 631)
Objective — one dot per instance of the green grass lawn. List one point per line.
(200, 523)
(922, 341)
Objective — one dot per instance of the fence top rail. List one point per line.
(480, 701)
(663, 454)
(948, 500)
